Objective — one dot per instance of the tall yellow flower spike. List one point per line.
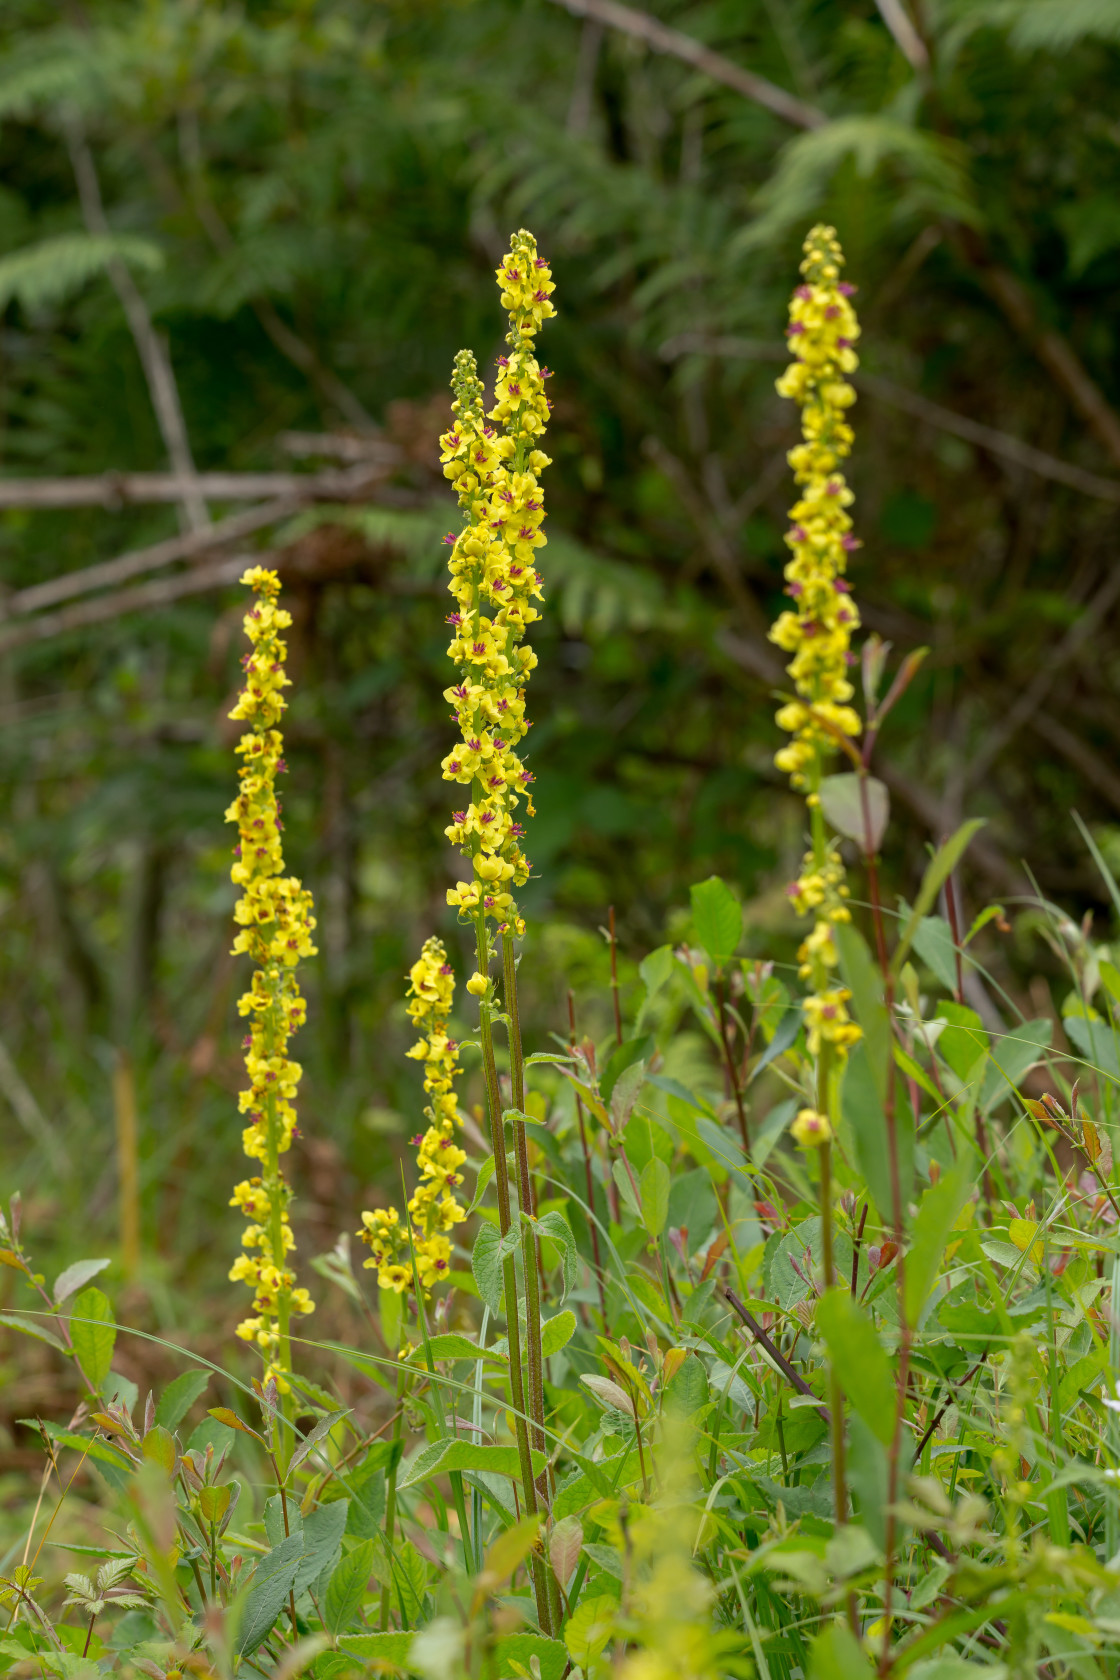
(494, 461)
(818, 631)
(433, 1209)
(274, 915)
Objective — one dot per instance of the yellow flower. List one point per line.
(810, 1129)
(433, 1209)
(818, 631)
(495, 462)
(276, 923)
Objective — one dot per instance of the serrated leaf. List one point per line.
(179, 1396)
(321, 1536)
(717, 918)
(555, 1227)
(311, 1441)
(74, 1277)
(93, 1333)
(346, 1589)
(272, 1581)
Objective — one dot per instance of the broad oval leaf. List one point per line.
(93, 1333)
(717, 917)
(843, 803)
(74, 1277)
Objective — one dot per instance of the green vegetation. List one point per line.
(749, 1310)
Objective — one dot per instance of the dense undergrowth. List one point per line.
(768, 1333)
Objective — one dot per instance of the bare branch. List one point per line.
(641, 27)
(151, 348)
(108, 573)
(906, 37)
(159, 592)
(114, 490)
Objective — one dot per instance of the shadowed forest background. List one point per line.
(311, 199)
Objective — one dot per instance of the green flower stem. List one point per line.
(530, 1254)
(391, 1495)
(509, 1267)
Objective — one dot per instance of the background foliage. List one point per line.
(333, 183)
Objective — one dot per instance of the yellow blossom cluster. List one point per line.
(275, 922)
(494, 461)
(433, 1209)
(818, 630)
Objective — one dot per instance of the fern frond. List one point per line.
(38, 81)
(934, 169)
(1035, 25)
(55, 268)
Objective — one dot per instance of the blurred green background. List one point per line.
(310, 198)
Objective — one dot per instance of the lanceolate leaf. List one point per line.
(444, 1456)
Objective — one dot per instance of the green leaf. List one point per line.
(870, 1478)
(944, 861)
(346, 1590)
(487, 1267)
(625, 1188)
(390, 1648)
(687, 1389)
(933, 941)
(963, 1044)
(554, 1226)
(692, 1205)
(625, 1056)
(654, 1187)
(74, 1277)
(717, 917)
(311, 1440)
(657, 968)
(842, 801)
(557, 1332)
(485, 1174)
(451, 1345)
(93, 1333)
(589, 1628)
(441, 1457)
(31, 1327)
(268, 1592)
(857, 1356)
(863, 1112)
(179, 1396)
(805, 1245)
(321, 1536)
(1012, 1057)
(836, 1654)
(865, 982)
(521, 1648)
(1097, 1043)
(936, 1217)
